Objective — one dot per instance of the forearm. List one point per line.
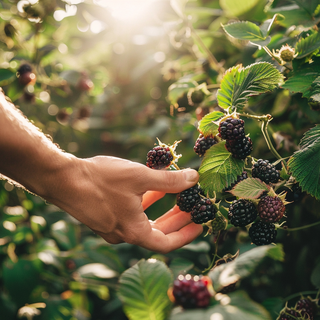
(27, 155)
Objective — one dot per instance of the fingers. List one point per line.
(169, 181)
(150, 197)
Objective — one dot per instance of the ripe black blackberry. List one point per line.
(240, 148)
(265, 171)
(242, 212)
(191, 291)
(24, 68)
(242, 177)
(307, 308)
(271, 209)
(203, 143)
(203, 211)
(159, 157)
(188, 198)
(290, 314)
(231, 129)
(262, 233)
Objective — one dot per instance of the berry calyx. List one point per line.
(191, 291)
(231, 129)
(271, 209)
(290, 314)
(265, 171)
(203, 143)
(287, 53)
(203, 211)
(262, 233)
(306, 307)
(240, 148)
(242, 212)
(162, 156)
(187, 199)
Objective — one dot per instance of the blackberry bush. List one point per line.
(187, 199)
(231, 129)
(265, 171)
(203, 211)
(242, 212)
(240, 148)
(242, 177)
(262, 233)
(271, 209)
(191, 291)
(203, 143)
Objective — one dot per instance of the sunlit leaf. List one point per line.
(244, 30)
(219, 169)
(207, 126)
(236, 8)
(96, 270)
(239, 83)
(307, 45)
(177, 89)
(304, 164)
(250, 188)
(143, 290)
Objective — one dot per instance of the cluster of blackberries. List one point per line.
(237, 143)
(305, 309)
(191, 291)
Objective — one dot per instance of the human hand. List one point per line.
(110, 195)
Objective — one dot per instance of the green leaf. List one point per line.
(143, 290)
(96, 271)
(306, 46)
(237, 305)
(244, 265)
(315, 276)
(219, 169)
(244, 30)
(6, 76)
(304, 164)
(266, 26)
(250, 188)
(309, 6)
(207, 126)
(236, 8)
(180, 265)
(239, 83)
(177, 89)
(65, 234)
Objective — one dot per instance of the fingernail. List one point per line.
(191, 175)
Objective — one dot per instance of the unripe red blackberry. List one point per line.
(307, 308)
(242, 177)
(203, 144)
(203, 211)
(188, 198)
(242, 212)
(191, 291)
(162, 156)
(290, 314)
(265, 171)
(262, 233)
(240, 148)
(231, 129)
(271, 209)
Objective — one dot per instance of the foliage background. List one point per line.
(46, 256)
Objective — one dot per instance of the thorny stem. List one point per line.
(303, 227)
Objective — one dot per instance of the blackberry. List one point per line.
(24, 68)
(289, 314)
(232, 129)
(262, 233)
(240, 148)
(188, 198)
(203, 211)
(265, 171)
(203, 144)
(191, 291)
(242, 177)
(242, 212)
(159, 157)
(306, 307)
(271, 209)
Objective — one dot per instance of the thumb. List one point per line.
(170, 181)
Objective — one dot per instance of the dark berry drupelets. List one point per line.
(242, 177)
(191, 291)
(203, 211)
(203, 143)
(290, 314)
(242, 212)
(188, 198)
(271, 209)
(231, 129)
(262, 233)
(240, 148)
(307, 308)
(265, 171)
(159, 157)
